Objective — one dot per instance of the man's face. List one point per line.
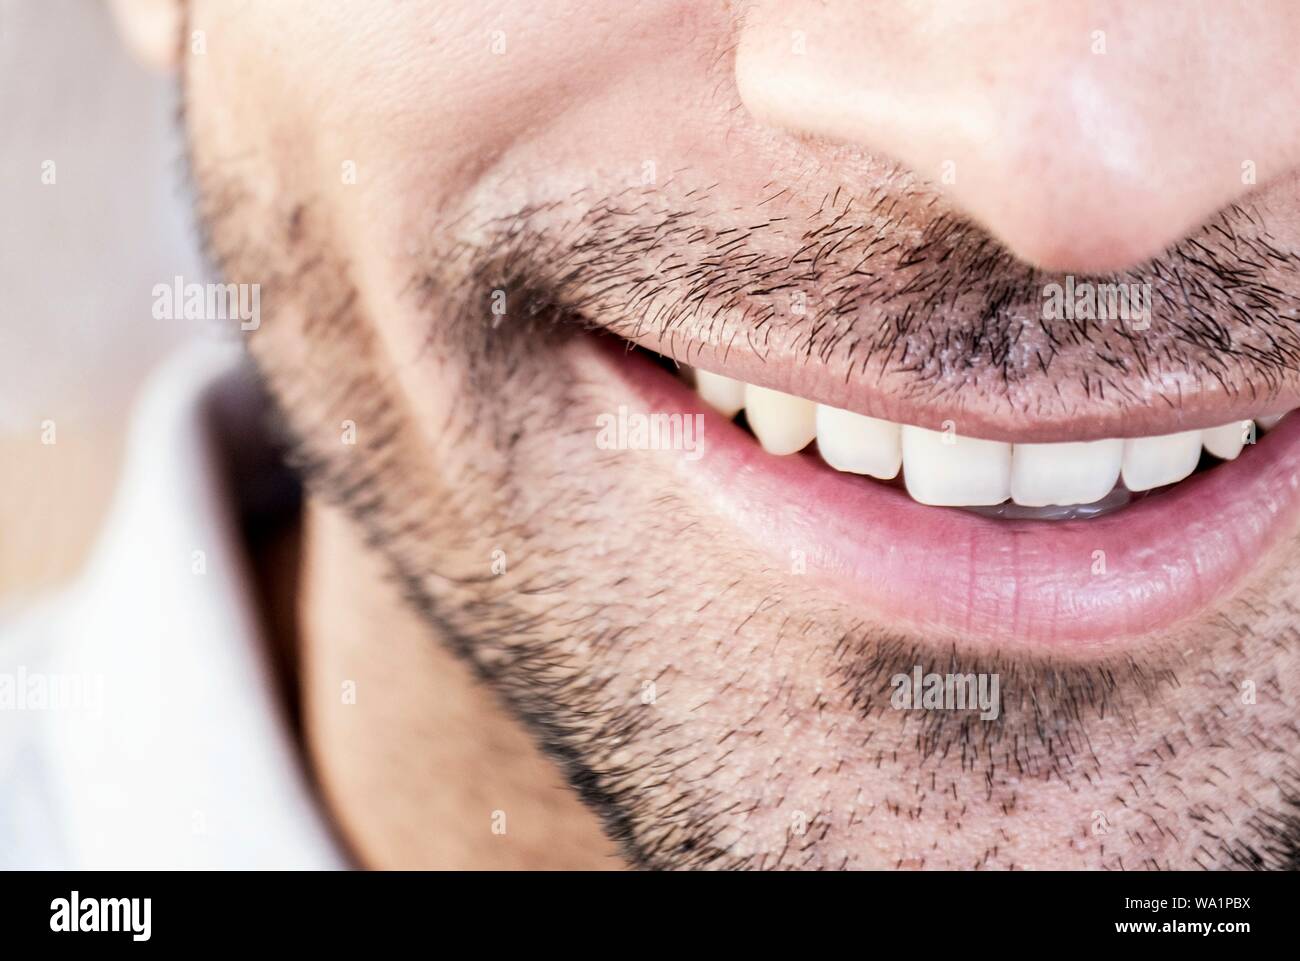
(461, 215)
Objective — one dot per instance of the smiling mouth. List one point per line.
(909, 527)
(942, 468)
(904, 429)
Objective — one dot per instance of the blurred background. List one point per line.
(94, 211)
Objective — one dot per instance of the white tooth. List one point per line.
(945, 470)
(857, 444)
(723, 394)
(1226, 442)
(1077, 472)
(1269, 422)
(1156, 461)
(783, 423)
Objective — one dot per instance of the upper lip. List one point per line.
(921, 319)
(1032, 414)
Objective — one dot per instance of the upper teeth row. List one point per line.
(943, 468)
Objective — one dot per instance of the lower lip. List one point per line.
(1070, 586)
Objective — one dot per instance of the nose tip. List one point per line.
(1072, 178)
(1074, 158)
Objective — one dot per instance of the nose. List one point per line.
(1084, 135)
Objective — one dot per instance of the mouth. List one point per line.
(1084, 545)
(941, 468)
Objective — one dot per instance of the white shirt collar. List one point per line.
(190, 761)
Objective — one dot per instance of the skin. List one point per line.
(383, 169)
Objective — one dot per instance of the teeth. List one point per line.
(783, 423)
(1227, 441)
(723, 394)
(1064, 474)
(857, 444)
(946, 470)
(1156, 461)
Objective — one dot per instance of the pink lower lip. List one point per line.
(1069, 586)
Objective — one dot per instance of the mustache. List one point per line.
(880, 288)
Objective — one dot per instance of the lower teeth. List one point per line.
(1009, 510)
